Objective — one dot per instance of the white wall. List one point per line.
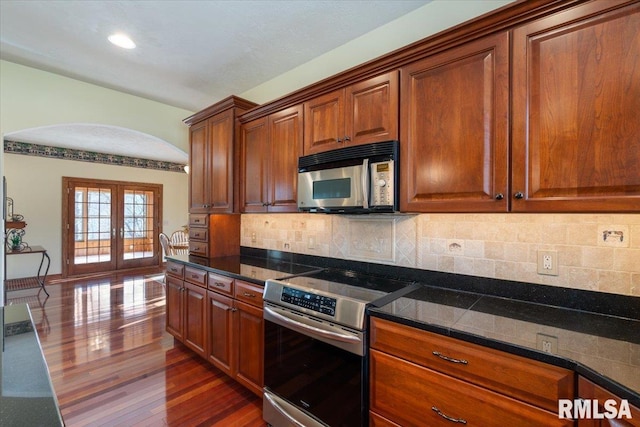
(31, 98)
(35, 184)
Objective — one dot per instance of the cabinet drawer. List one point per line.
(175, 269)
(534, 382)
(200, 234)
(195, 276)
(199, 248)
(412, 395)
(249, 293)
(221, 284)
(198, 220)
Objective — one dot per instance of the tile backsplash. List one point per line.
(599, 252)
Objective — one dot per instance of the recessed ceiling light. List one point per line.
(122, 40)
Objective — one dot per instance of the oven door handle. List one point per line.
(301, 327)
(282, 411)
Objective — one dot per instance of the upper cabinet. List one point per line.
(576, 98)
(454, 148)
(213, 157)
(269, 151)
(361, 113)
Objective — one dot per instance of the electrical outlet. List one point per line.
(548, 263)
(547, 343)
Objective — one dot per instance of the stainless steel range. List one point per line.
(315, 347)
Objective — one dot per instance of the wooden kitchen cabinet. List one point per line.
(175, 306)
(361, 113)
(270, 147)
(576, 97)
(221, 335)
(414, 371)
(590, 391)
(195, 303)
(214, 235)
(220, 319)
(454, 150)
(250, 335)
(213, 156)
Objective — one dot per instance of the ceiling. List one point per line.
(189, 53)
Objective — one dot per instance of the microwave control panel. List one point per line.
(319, 303)
(382, 185)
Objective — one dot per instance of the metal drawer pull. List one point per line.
(219, 284)
(449, 359)
(247, 294)
(447, 417)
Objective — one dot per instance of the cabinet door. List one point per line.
(254, 146)
(590, 391)
(250, 347)
(220, 159)
(221, 337)
(576, 97)
(324, 122)
(372, 110)
(195, 303)
(285, 139)
(174, 307)
(198, 182)
(454, 150)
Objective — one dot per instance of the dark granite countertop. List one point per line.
(26, 393)
(598, 334)
(603, 348)
(252, 269)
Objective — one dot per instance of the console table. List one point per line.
(31, 282)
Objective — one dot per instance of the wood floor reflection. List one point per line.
(113, 364)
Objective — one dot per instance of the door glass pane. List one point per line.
(92, 233)
(138, 224)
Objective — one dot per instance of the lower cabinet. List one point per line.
(221, 337)
(220, 319)
(608, 411)
(419, 378)
(175, 306)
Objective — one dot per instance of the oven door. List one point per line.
(334, 189)
(308, 381)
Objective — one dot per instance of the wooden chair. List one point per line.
(166, 246)
(179, 242)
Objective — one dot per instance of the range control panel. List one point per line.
(311, 301)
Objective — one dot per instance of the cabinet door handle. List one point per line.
(219, 284)
(449, 359)
(447, 417)
(519, 195)
(338, 140)
(346, 138)
(250, 295)
(499, 196)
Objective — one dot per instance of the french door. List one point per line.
(109, 225)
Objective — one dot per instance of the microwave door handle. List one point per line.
(365, 183)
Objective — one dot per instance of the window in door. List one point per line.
(110, 225)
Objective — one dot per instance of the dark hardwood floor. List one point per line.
(113, 364)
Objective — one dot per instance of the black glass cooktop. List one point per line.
(366, 288)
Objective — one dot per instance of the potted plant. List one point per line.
(16, 242)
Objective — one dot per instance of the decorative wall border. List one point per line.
(38, 150)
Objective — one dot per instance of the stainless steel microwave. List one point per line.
(357, 179)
